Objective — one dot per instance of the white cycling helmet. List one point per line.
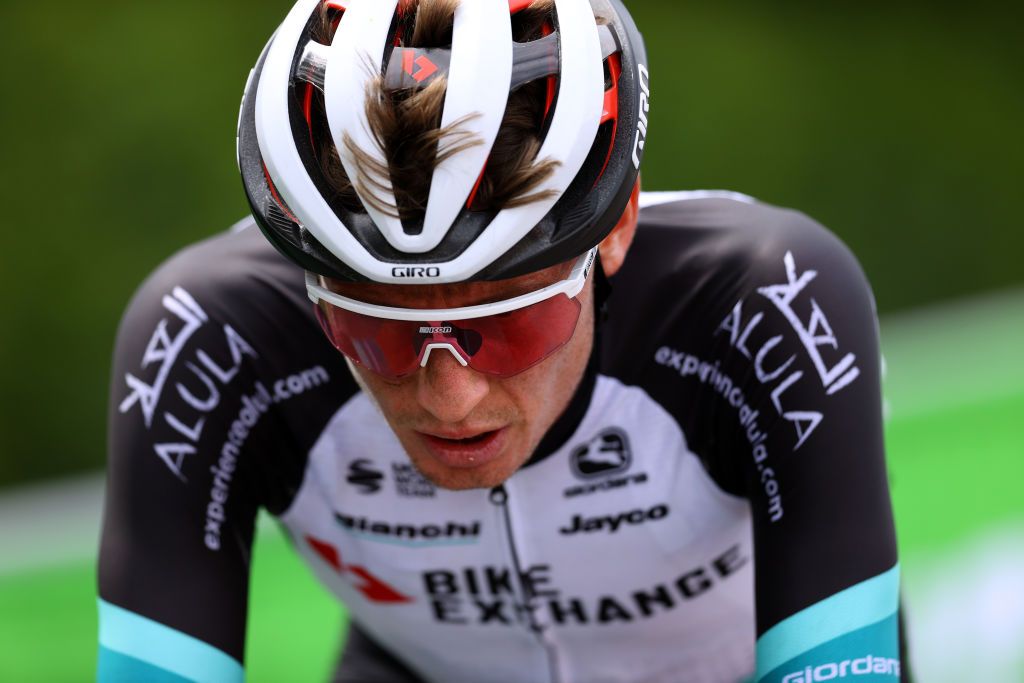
(594, 128)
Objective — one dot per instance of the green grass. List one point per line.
(295, 626)
(48, 625)
(956, 471)
(48, 622)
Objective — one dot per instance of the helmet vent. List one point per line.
(278, 218)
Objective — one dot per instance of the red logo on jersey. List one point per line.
(410, 62)
(369, 585)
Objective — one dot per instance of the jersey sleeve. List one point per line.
(190, 420)
(222, 383)
(802, 384)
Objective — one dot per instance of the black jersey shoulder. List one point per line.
(755, 327)
(693, 255)
(225, 307)
(222, 382)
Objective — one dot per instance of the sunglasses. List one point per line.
(503, 338)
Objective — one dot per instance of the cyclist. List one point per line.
(573, 433)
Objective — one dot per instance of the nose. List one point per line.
(447, 390)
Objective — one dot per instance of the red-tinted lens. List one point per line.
(518, 340)
(387, 347)
(504, 344)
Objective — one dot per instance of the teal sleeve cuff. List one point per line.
(852, 634)
(135, 648)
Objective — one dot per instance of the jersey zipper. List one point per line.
(499, 497)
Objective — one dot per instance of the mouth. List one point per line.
(466, 450)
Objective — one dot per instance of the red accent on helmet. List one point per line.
(277, 198)
(476, 186)
(611, 95)
(518, 5)
(420, 68)
(406, 5)
(552, 83)
(307, 106)
(611, 105)
(307, 111)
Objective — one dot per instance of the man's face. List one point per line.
(463, 429)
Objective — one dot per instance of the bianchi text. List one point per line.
(425, 534)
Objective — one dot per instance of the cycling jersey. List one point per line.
(711, 506)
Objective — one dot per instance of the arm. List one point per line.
(827, 579)
(180, 508)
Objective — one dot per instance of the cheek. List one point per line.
(546, 389)
(387, 396)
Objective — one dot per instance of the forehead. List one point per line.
(448, 295)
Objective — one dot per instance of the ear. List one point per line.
(614, 247)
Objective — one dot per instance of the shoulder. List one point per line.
(721, 293)
(221, 325)
(704, 251)
(696, 254)
(724, 231)
(216, 311)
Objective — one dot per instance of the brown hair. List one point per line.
(406, 125)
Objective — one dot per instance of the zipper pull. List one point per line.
(498, 495)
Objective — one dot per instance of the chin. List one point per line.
(463, 479)
(486, 477)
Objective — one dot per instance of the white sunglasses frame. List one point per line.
(571, 286)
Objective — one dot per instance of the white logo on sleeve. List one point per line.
(862, 666)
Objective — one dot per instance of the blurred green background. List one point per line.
(895, 124)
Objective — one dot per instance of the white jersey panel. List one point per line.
(525, 577)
